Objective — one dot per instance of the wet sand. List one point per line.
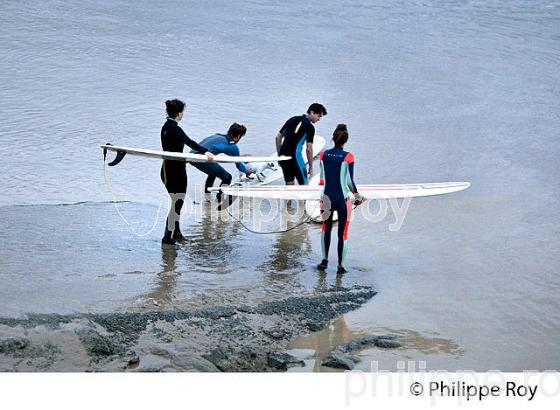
(222, 338)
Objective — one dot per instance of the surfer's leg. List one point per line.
(344, 215)
(326, 230)
(224, 176)
(176, 186)
(289, 168)
(301, 172)
(225, 179)
(179, 202)
(209, 183)
(207, 169)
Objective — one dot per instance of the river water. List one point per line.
(431, 91)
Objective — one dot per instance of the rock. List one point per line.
(315, 326)
(388, 336)
(133, 361)
(218, 357)
(356, 344)
(282, 360)
(387, 343)
(383, 341)
(96, 344)
(246, 309)
(219, 312)
(276, 334)
(159, 351)
(151, 363)
(338, 361)
(191, 363)
(13, 344)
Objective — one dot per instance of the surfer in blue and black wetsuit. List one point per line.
(296, 132)
(337, 178)
(222, 144)
(173, 173)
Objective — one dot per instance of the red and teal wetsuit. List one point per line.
(337, 178)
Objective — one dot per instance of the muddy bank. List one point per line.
(232, 338)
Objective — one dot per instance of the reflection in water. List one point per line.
(429, 345)
(290, 246)
(284, 263)
(211, 242)
(323, 342)
(163, 293)
(313, 348)
(414, 346)
(207, 250)
(322, 283)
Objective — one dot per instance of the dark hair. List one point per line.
(340, 135)
(317, 109)
(237, 130)
(174, 107)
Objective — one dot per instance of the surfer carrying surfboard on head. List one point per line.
(337, 178)
(222, 144)
(297, 131)
(174, 173)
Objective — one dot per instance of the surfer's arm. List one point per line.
(310, 135)
(191, 143)
(233, 151)
(349, 159)
(278, 143)
(352, 184)
(321, 169)
(309, 153)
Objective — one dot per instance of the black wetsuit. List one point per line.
(174, 173)
(296, 131)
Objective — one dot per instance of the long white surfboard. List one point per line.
(187, 157)
(369, 191)
(272, 172)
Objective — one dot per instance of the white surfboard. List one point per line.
(369, 191)
(183, 156)
(271, 172)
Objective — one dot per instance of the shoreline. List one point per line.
(216, 339)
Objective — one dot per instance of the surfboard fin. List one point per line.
(118, 158)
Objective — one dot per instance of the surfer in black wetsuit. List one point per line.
(174, 173)
(296, 132)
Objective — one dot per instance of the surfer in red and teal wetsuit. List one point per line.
(337, 178)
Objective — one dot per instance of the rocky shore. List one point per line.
(223, 338)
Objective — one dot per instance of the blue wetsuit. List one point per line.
(296, 131)
(218, 144)
(337, 178)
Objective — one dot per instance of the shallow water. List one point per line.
(431, 91)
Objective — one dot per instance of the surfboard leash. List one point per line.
(304, 221)
(114, 201)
